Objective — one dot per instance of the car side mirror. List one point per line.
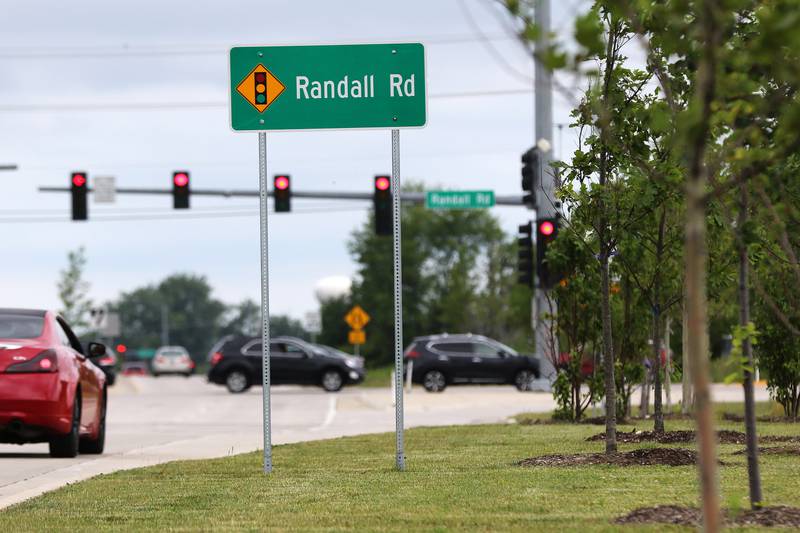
(502, 354)
(96, 350)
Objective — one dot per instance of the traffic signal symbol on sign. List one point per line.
(260, 88)
(357, 336)
(357, 318)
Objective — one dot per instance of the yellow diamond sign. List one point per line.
(260, 88)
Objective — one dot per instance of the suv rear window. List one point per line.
(20, 326)
(452, 347)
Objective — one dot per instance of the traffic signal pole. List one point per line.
(405, 197)
(544, 308)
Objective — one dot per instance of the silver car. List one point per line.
(172, 360)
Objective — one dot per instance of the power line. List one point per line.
(180, 106)
(126, 51)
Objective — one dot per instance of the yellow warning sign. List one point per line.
(260, 88)
(356, 336)
(357, 318)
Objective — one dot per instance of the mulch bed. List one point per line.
(725, 436)
(643, 457)
(596, 421)
(733, 417)
(775, 450)
(778, 515)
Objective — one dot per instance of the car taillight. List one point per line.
(106, 361)
(412, 353)
(45, 361)
(216, 358)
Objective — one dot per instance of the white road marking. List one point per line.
(329, 416)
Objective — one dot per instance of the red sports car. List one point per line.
(50, 391)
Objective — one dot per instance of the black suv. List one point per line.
(236, 363)
(441, 360)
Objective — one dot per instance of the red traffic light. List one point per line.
(79, 180)
(121, 348)
(382, 183)
(181, 179)
(546, 228)
(282, 182)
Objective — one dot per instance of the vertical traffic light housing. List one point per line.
(79, 185)
(180, 189)
(546, 233)
(525, 251)
(282, 192)
(382, 199)
(260, 82)
(530, 177)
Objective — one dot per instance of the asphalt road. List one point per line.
(152, 421)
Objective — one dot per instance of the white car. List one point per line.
(172, 360)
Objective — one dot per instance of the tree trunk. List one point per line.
(747, 354)
(687, 398)
(658, 414)
(644, 398)
(668, 367)
(608, 356)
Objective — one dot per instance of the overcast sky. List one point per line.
(85, 85)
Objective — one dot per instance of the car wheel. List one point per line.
(97, 445)
(332, 381)
(524, 380)
(237, 381)
(434, 381)
(67, 445)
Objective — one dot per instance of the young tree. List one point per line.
(73, 290)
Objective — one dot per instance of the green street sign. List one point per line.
(327, 87)
(459, 199)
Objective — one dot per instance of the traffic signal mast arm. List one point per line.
(408, 197)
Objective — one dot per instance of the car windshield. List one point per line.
(172, 353)
(507, 349)
(20, 326)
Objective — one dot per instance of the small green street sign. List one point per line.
(327, 87)
(459, 199)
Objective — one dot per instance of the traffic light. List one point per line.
(546, 233)
(79, 185)
(180, 189)
(525, 251)
(382, 198)
(530, 177)
(282, 192)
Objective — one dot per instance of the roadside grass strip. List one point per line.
(459, 478)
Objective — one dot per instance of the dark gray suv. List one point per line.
(236, 363)
(440, 360)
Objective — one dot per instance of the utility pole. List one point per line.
(543, 307)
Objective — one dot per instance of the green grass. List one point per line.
(458, 478)
(378, 377)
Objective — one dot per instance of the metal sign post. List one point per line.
(265, 348)
(398, 302)
(329, 87)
